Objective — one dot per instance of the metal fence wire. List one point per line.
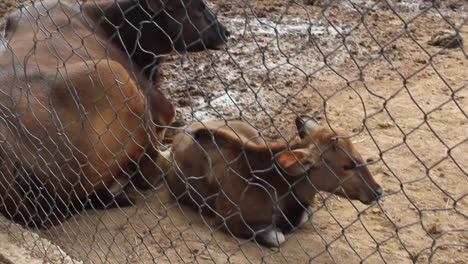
(238, 131)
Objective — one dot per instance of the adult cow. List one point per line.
(78, 97)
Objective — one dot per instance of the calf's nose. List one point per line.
(379, 192)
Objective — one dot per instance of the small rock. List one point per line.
(454, 5)
(313, 2)
(420, 61)
(260, 14)
(434, 229)
(385, 125)
(446, 38)
(433, 3)
(178, 123)
(205, 257)
(183, 102)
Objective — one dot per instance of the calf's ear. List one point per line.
(295, 162)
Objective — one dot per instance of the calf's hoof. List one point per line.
(304, 217)
(270, 237)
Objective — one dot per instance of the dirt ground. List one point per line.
(364, 67)
(19, 245)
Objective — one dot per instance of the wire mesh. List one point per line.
(109, 151)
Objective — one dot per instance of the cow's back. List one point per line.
(50, 35)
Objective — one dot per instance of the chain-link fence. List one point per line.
(234, 131)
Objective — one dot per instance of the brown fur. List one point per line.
(260, 188)
(76, 112)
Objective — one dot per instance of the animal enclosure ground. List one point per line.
(364, 67)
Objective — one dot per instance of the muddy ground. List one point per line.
(364, 66)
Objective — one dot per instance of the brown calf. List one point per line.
(228, 169)
(78, 94)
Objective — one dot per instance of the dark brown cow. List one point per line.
(262, 189)
(78, 92)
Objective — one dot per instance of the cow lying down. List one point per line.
(262, 189)
(81, 109)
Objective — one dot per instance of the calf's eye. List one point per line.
(349, 167)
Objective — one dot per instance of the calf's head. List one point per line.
(192, 26)
(331, 162)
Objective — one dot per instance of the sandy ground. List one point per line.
(406, 101)
(20, 246)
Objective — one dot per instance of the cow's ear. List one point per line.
(218, 135)
(307, 125)
(295, 162)
(202, 133)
